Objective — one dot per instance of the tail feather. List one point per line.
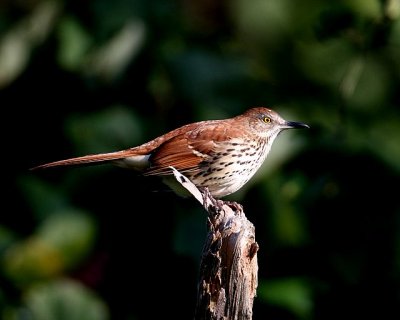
(89, 159)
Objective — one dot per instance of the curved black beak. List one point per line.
(296, 125)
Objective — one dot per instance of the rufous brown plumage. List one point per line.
(221, 155)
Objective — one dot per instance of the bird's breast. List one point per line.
(230, 166)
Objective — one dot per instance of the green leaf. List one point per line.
(64, 300)
(74, 43)
(293, 294)
(59, 244)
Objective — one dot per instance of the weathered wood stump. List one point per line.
(228, 269)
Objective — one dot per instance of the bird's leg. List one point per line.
(216, 203)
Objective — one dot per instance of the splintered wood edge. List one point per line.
(237, 219)
(188, 185)
(206, 200)
(243, 280)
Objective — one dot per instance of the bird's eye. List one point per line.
(266, 119)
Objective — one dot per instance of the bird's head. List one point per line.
(267, 123)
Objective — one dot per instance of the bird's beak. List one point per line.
(295, 125)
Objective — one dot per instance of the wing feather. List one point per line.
(188, 151)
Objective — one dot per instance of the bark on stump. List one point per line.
(228, 269)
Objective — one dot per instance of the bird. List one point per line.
(221, 155)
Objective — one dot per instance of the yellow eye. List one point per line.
(266, 119)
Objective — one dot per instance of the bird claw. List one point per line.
(217, 203)
(210, 201)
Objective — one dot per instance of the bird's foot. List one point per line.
(209, 200)
(218, 203)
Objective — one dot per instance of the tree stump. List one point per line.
(228, 269)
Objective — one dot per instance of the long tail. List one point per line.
(89, 159)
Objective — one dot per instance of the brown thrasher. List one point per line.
(221, 155)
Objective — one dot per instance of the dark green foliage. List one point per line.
(79, 77)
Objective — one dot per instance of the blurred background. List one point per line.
(80, 77)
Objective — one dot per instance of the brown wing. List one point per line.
(189, 150)
(179, 153)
